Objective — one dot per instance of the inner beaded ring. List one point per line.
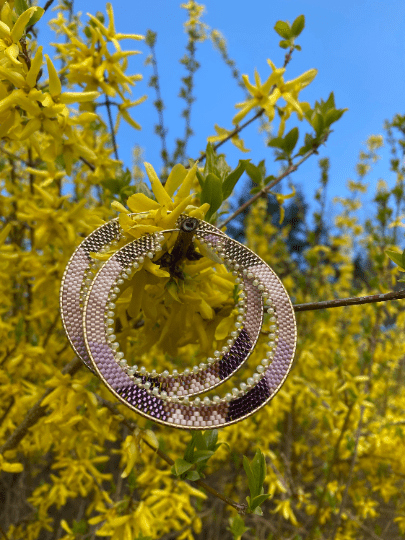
(187, 384)
(171, 410)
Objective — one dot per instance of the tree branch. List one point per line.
(352, 301)
(110, 121)
(292, 168)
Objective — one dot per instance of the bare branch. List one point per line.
(352, 301)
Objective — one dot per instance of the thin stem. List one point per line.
(13, 156)
(110, 121)
(292, 168)
(352, 301)
(89, 165)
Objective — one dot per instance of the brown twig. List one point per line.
(110, 121)
(89, 165)
(352, 301)
(292, 168)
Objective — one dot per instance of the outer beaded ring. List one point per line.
(165, 398)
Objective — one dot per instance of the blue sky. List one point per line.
(357, 47)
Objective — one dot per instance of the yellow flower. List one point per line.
(10, 37)
(110, 33)
(265, 96)
(223, 133)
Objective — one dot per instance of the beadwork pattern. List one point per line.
(87, 308)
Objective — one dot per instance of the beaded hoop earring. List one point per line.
(87, 308)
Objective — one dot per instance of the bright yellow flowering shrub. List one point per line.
(76, 466)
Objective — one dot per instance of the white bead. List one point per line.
(186, 371)
(265, 362)
(217, 354)
(111, 305)
(155, 391)
(165, 373)
(249, 275)
(135, 264)
(202, 365)
(196, 369)
(236, 266)
(243, 386)
(228, 397)
(271, 336)
(109, 331)
(109, 322)
(241, 286)
(113, 297)
(131, 370)
(150, 255)
(110, 314)
(197, 401)
(142, 371)
(273, 327)
(250, 381)
(119, 355)
(211, 360)
(216, 399)
(153, 373)
(240, 318)
(120, 281)
(261, 287)
(175, 372)
(260, 369)
(186, 400)
(123, 362)
(147, 385)
(112, 338)
(238, 324)
(225, 350)
(234, 334)
(115, 346)
(235, 391)
(244, 271)
(207, 401)
(256, 377)
(238, 280)
(269, 354)
(273, 319)
(163, 394)
(255, 283)
(116, 290)
(230, 342)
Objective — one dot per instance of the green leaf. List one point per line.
(202, 455)
(20, 6)
(211, 193)
(258, 466)
(254, 173)
(290, 140)
(285, 43)
(277, 142)
(200, 178)
(209, 160)
(298, 25)
(181, 466)
(333, 116)
(283, 29)
(298, 47)
(36, 16)
(193, 476)
(249, 474)
(258, 500)
(211, 438)
(396, 257)
(237, 527)
(232, 178)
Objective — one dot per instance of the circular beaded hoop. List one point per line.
(87, 309)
